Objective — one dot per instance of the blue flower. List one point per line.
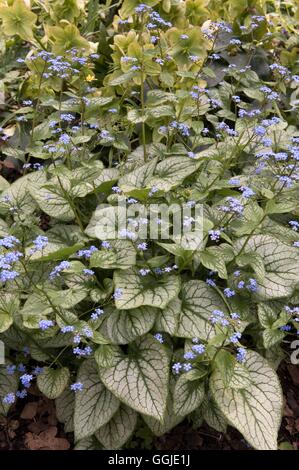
(176, 367)
(118, 293)
(142, 246)
(9, 399)
(67, 329)
(159, 337)
(26, 379)
(88, 272)
(229, 292)
(39, 243)
(10, 369)
(7, 275)
(198, 348)
(45, 324)
(187, 366)
(57, 270)
(96, 314)
(87, 253)
(77, 387)
(241, 355)
(189, 355)
(235, 337)
(9, 242)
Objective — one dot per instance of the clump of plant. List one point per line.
(189, 112)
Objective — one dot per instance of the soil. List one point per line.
(32, 425)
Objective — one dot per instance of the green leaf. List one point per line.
(212, 259)
(64, 406)
(170, 418)
(144, 290)
(55, 252)
(188, 395)
(139, 178)
(140, 379)
(88, 443)
(123, 327)
(212, 414)
(106, 355)
(115, 434)
(255, 410)
(121, 255)
(255, 261)
(172, 171)
(19, 196)
(281, 265)
(52, 382)
(198, 303)
(52, 200)
(66, 298)
(94, 405)
(272, 337)
(9, 306)
(105, 221)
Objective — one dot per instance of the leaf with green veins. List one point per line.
(52, 200)
(115, 434)
(271, 337)
(168, 318)
(255, 261)
(268, 312)
(172, 171)
(188, 395)
(36, 308)
(54, 252)
(106, 221)
(212, 259)
(255, 410)
(140, 379)
(212, 414)
(64, 407)
(105, 181)
(170, 418)
(281, 265)
(123, 327)
(19, 196)
(121, 255)
(198, 302)
(9, 306)
(144, 290)
(18, 19)
(106, 355)
(94, 405)
(52, 382)
(66, 298)
(138, 178)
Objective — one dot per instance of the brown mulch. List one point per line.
(32, 425)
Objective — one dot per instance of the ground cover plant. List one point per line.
(135, 105)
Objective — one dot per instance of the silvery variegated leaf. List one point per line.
(118, 430)
(124, 326)
(139, 290)
(95, 404)
(140, 379)
(256, 409)
(281, 263)
(52, 382)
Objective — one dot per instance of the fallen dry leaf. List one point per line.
(46, 440)
(29, 410)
